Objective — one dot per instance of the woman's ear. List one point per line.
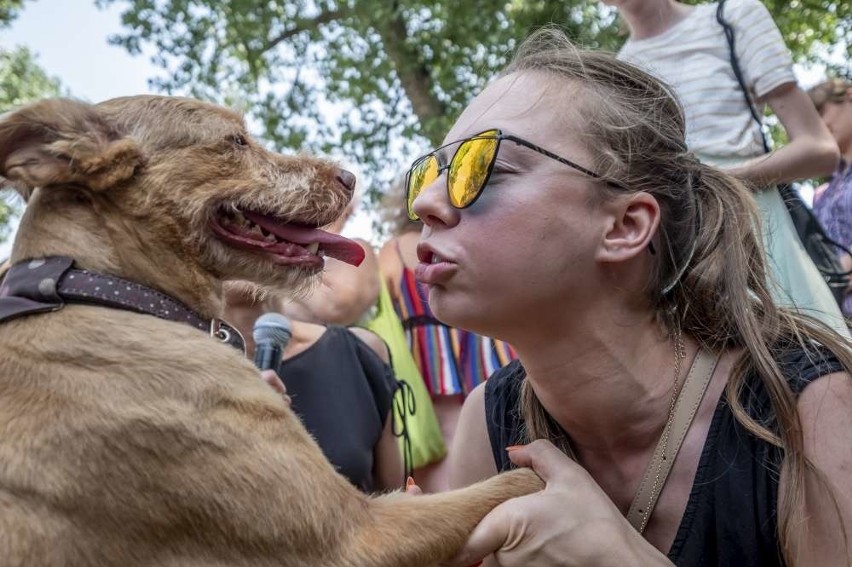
(633, 222)
(63, 141)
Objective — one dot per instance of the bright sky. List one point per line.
(70, 40)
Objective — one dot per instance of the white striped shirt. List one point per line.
(693, 58)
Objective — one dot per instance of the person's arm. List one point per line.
(387, 460)
(810, 152)
(344, 295)
(470, 456)
(825, 411)
(767, 70)
(374, 341)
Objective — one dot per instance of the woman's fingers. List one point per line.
(412, 488)
(271, 378)
(544, 458)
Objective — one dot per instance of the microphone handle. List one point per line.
(268, 356)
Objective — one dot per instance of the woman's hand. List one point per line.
(571, 522)
(271, 378)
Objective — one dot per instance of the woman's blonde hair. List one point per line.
(710, 280)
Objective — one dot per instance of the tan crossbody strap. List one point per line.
(661, 463)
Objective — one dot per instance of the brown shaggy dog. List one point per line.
(128, 439)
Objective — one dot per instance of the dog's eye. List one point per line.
(239, 140)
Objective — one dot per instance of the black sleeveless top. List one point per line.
(730, 515)
(342, 391)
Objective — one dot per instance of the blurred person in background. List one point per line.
(833, 200)
(686, 47)
(339, 384)
(345, 293)
(337, 375)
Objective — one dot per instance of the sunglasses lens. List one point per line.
(422, 174)
(470, 168)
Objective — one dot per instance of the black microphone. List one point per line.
(271, 333)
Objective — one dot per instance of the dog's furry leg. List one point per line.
(415, 531)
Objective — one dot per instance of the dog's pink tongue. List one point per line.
(334, 245)
(338, 247)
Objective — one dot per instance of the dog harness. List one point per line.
(47, 284)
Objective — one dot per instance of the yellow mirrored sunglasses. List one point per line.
(470, 168)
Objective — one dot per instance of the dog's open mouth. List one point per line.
(288, 242)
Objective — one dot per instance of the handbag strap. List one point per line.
(658, 469)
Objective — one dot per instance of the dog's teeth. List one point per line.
(313, 247)
(271, 238)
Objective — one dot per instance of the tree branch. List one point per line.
(304, 24)
(413, 74)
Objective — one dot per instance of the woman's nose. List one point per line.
(433, 206)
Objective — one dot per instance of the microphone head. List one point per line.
(272, 328)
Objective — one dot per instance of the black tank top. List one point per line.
(730, 515)
(342, 391)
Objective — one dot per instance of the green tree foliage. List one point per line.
(21, 80)
(812, 26)
(9, 11)
(376, 79)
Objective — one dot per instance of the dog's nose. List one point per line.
(347, 179)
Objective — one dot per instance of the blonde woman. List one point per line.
(565, 214)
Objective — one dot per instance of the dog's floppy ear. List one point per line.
(63, 141)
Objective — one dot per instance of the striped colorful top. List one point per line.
(451, 361)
